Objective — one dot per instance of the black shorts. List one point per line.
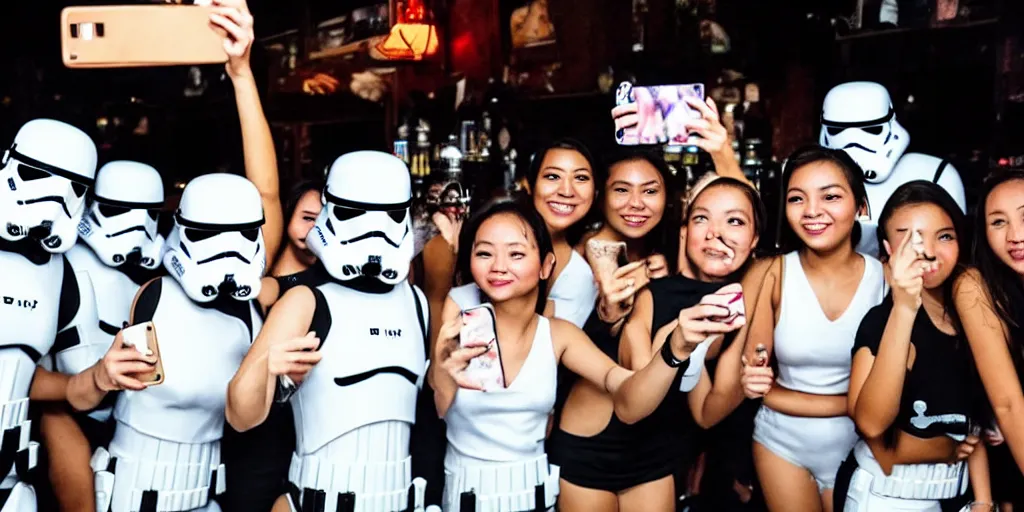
(614, 460)
(98, 433)
(257, 461)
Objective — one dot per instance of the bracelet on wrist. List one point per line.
(670, 358)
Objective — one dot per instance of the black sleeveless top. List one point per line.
(939, 391)
(672, 418)
(663, 434)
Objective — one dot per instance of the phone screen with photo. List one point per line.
(479, 330)
(662, 113)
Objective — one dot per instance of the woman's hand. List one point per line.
(626, 119)
(120, 364)
(618, 291)
(294, 358)
(450, 226)
(235, 23)
(713, 137)
(906, 271)
(703, 321)
(657, 266)
(966, 448)
(756, 380)
(454, 359)
(994, 436)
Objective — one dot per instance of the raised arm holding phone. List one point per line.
(209, 223)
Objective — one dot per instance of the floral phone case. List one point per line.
(479, 329)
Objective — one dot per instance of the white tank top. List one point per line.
(574, 292)
(510, 424)
(813, 353)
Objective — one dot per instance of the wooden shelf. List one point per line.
(345, 50)
(871, 34)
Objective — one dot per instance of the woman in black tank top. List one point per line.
(722, 218)
(260, 457)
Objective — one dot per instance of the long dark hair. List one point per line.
(576, 231)
(663, 237)
(291, 202)
(520, 208)
(1003, 283)
(925, 192)
(788, 240)
(295, 193)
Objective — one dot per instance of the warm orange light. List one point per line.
(413, 37)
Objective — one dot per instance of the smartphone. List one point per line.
(117, 36)
(662, 112)
(479, 329)
(735, 306)
(143, 338)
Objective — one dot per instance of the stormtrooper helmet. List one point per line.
(858, 118)
(365, 228)
(46, 173)
(120, 226)
(216, 247)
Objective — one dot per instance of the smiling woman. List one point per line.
(802, 432)
(562, 177)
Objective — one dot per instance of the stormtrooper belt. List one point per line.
(16, 450)
(525, 486)
(913, 481)
(318, 485)
(158, 486)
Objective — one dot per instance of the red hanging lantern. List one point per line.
(413, 37)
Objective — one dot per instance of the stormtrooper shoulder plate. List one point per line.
(373, 347)
(106, 298)
(201, 348)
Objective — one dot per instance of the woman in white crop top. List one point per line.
(820, 293)
(495, 457)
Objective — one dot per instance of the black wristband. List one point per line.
(670, 358)
(283, 392)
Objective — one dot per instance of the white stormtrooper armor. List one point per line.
(364, 228)
(165, 453)
(121, 224)
(351, 456)
(46, 173)
(858, 117)
(217, 227)
(913, 166)
(120, 230)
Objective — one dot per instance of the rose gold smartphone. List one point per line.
(117, 36)
(143, 337)
(480, 330)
